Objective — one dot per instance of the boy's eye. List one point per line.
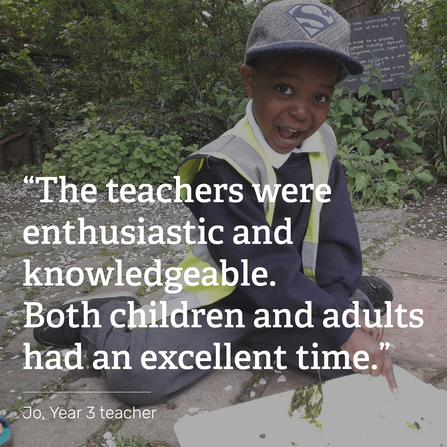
(321, 98)
(285, 89)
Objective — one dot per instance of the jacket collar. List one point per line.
(312, 144)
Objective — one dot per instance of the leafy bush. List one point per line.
(377, 147)
(198, 124)
(55, 112)
(18, 74)
(126, 155)
(425, 104)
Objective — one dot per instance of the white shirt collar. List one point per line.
(312, 144)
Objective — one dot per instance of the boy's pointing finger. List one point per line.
(388, 372)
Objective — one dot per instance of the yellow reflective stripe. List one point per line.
(243, 130)
(204, 294)
(187, 176)
(320, 174)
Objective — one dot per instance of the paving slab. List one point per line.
(3, 325)
(16, 347)
(377, 231)
(23, 248)
(416, 257)
(422, 348)
(13, 274)
(15, 380)
(9, 261)
(95, 262)
(219, 389)
(157, 295)
(11, 300)
(396, 216)
(5, 286)
(67, 419)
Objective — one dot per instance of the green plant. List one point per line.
(232, 104)
(126, 156)
(137, 441)
(377, 147)
(19, 75)
(425, 104)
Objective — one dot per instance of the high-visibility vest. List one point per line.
(240, 149)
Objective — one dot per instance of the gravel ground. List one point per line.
(430, 216)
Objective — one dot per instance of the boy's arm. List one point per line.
(339, 260)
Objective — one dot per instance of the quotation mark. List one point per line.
(31, 179)
(385, 345)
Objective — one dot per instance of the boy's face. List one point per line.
(291, 96)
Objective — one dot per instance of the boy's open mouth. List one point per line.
(288, 134)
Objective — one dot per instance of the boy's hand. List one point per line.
(376, 332)
(381, 359)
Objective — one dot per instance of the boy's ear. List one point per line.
(248, 79)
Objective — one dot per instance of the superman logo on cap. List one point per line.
(313, 19)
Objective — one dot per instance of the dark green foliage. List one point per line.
(427, 39)
(17, 74)
(169, 52)
(425, 105)
(126, 156)
(378, 146)
(154, 78)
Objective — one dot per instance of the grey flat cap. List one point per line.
(306, 27)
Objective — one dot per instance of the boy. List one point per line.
(296, 54)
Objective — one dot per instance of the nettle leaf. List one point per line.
(346, 106)
(140, 173)
(364, 147)
(425, 177)
(133, 164)
(352, 173)
(387, 167)
(101, 155)
(379, 116)
(361, 181)
(138, 153)
(401, 122)
(428, 112)
(379, 133)
(221, 98)
(83, 171)
(364, 90)
(147, 158)
(411, 145)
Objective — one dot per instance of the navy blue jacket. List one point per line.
(339, 263)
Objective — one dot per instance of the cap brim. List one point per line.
(350, 65)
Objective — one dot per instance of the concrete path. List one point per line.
(55, 407)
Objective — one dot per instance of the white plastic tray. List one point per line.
(357, 411)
